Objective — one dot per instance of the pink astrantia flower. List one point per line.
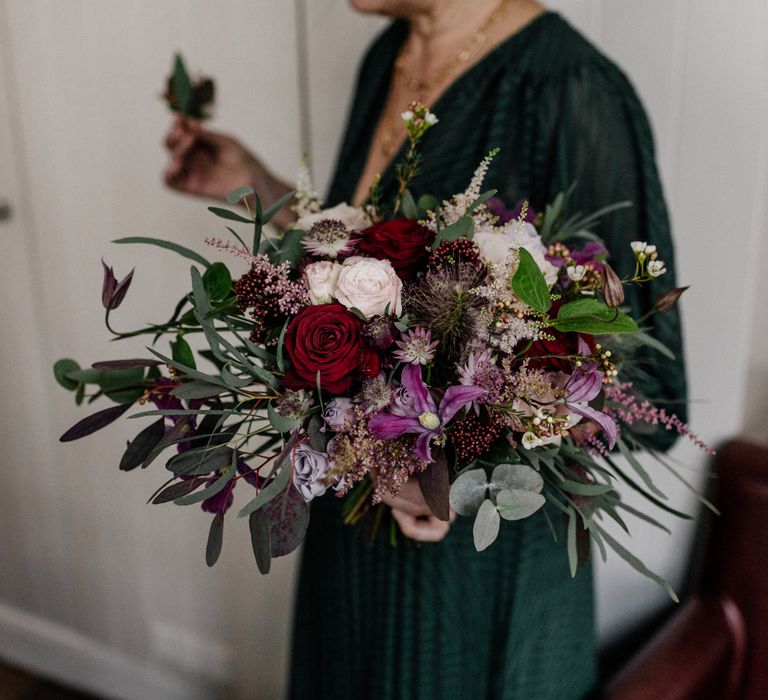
(416, 347)
(422, 417)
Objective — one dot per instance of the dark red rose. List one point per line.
(327, 338)
(404, 242)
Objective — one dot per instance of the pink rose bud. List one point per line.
(665, 302)
(613, 289)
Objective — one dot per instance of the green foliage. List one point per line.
(593, 317)
(529, 284)
(60, 371)
(168, 245)
(217, 281)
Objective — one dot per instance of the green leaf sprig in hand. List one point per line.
(189, 98)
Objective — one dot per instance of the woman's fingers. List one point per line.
(424, 528)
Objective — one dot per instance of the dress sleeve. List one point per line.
(594, 133)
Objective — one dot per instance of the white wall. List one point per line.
(100, 589)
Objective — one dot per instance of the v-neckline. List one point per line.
(456, 86)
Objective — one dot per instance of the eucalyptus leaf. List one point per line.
(258, 524)
(168, 245)
(199, 461)
(573, 552)
(215, 488)
(408, 206)
(580, 489)
(516, 504)
(60, 370)
(142, 445)
(482, 199)
(236, 195)
(468, 491)
(109, 365)
(273, 210)
(435, 486)
(486, 527)
(462, 228)
(288, 515)
(215, 540)
(516, 477)
(289, 247)
(94, 422)
(529, 284)
(180, 488)
(639, 469)
(196, 389)
(280, 423)
(229, 215)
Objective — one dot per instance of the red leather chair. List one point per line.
(716, 645)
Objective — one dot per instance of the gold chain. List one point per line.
(463, 55)
(389, 134)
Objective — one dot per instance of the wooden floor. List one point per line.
(16, 684)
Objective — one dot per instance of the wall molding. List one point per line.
(69, 657)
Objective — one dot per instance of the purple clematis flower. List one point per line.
(420, 415)
(112, 291)
(583, 386)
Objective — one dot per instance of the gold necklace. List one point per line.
(467, 50)
(391, 135)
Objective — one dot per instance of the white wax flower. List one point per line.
(354, 218)
(656, 268)
(371, 286)
(320, 279)
(576, 272)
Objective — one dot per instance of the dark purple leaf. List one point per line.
(215, 539)
(288, 516)
(173, 434)
(179, 489)
(94, 422)
(142, 445)
(435, 486)
(125, 364)
(259, 525)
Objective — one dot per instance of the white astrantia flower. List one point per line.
(354, 218)
(656, 268)
(371, 286)
(576, 272)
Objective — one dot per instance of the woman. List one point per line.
(440, 620)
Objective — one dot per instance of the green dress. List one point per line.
(441, 621)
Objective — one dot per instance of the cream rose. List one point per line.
(320, 279)
(354, 218)
(369, 285)
(496, 244)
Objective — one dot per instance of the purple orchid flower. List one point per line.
(583, 386)
(497, 207)
(421, 416)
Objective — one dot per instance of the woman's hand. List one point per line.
(412, 514)
(207, 163)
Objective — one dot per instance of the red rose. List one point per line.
(328, 339)
(404, 242)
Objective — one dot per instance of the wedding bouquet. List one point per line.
(474, 349)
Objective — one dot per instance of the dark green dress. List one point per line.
(441, 621)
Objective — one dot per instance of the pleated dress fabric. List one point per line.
(441, 621)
